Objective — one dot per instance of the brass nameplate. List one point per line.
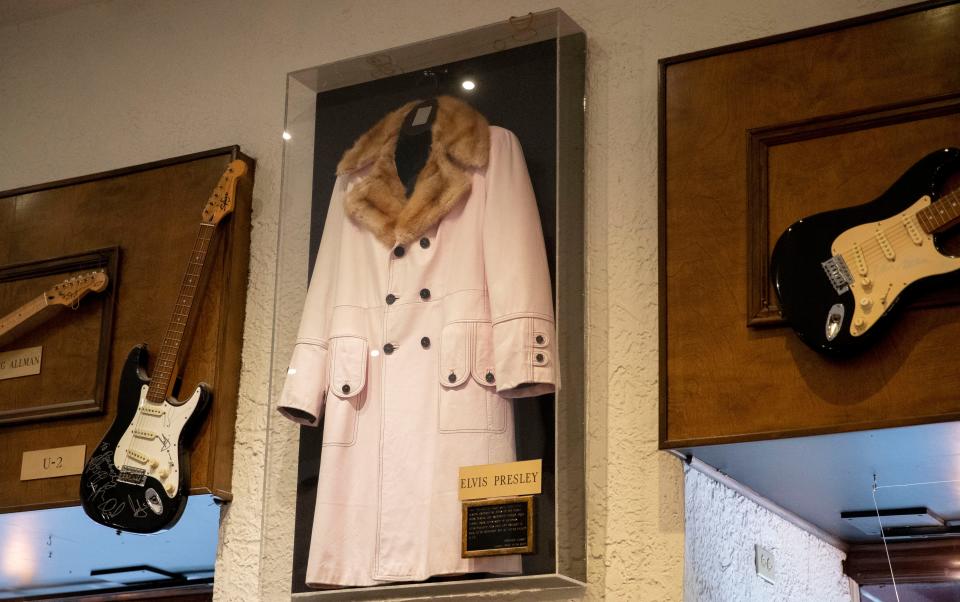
(501, 480)
(54, 462)
(20, 362)
(497, 527)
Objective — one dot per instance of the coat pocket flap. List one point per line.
(483, 369)
(455, 340)
(348, 372)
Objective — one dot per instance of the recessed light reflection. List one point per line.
(286, 135)
(468, 84)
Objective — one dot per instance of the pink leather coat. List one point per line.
(425, 318)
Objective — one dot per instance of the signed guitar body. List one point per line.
(138, 478)
(838, 274)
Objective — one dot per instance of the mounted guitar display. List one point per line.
(838, 274)
(68, 293)
(138, 477)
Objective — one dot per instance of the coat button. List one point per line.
(388, 348)
(391, 298)
(424, 293)
(345, 389)
(539, 339)
(489, 377)
(539, 357)
(424, 243)
(398, 251)
(452, 378)
(425, 342)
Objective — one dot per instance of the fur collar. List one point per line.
(378, 202)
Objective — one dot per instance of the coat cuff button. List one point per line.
(489, 377)
(452, 378)
(539, 357)
(539, 339)
(345, 389)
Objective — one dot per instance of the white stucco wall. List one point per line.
(115, 83)
(722, 528)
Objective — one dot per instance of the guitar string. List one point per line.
(199, 241)
(898, 231)
(200, 253)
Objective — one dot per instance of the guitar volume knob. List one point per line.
(866, 282)
(865, 303)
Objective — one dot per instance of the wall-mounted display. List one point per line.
(433, 202)
(138, 477)
(743, 157)
(55, 335)
(142, 224)
(838, 274)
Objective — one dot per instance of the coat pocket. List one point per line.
(468, 401)
(347, 392)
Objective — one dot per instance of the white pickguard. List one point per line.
(884, 258)
(151, 440)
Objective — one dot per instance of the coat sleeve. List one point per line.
(517, 276)
(304, 390)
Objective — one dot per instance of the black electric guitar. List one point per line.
(838, 274)
(138, 477)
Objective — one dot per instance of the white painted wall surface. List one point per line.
(121, 82)
(722, 528)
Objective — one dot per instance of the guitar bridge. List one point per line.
(838, 274)
(132, 475)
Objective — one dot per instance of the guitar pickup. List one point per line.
(138, 456)
(151, 411)
(132, 475)
(838, 273)
(144, 434)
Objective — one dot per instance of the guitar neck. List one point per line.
(22, 314)
(168, 360)
(941, 214)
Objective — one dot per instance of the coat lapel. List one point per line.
(378, 202)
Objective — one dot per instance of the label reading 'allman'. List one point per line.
(501, 480)
(20, 362)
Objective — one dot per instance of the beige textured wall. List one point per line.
(116, 83)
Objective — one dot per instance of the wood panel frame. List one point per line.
(761, 309)
(106, 259)
(216, 343)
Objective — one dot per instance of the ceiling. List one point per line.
(14, 12)
(819, 477)
(52, 552)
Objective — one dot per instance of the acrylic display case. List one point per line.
(526, 75)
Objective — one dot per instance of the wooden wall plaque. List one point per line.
(151, 213)
(75, 340)
(752, 138)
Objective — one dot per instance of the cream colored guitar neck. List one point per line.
(884, 258)
(19, 317)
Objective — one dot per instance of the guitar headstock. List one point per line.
(70, 291)
(220, 203)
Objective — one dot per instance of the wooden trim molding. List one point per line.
(927, 561)
(761, 307)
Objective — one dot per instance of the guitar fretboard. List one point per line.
(941, 213)
(22, 314)
(167, 360)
